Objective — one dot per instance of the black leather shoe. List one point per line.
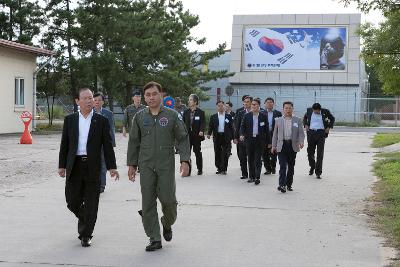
(86, 241)
(282, 189)
(223, 172)
(318, 176)
(154, 245)
(243, 177)
(289, 188)
(251, 180)
(311, 172)
(167, 234)
(273, 171)
(199, 172)
(218, 172)
(102, 189)
(257, 181)
(267, 172)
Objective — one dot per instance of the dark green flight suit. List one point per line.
(129, 113)
(151, 146)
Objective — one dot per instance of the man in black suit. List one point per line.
(254, 132)
(195, 122)
(221, 127)
(228, 109)
(243, 104)
(240, 145)
(84, 135)
(268, 157)
(317, 121)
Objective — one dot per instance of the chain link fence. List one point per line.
(347, 108)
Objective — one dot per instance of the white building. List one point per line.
(303, 58)
(17, 68)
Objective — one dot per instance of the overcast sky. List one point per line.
(216, 15)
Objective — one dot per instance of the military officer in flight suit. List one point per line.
(154, 132)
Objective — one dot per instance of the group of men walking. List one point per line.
(265, 134)
(156, 133)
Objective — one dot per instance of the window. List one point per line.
(19, 91)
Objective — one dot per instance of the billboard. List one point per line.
(295, 48)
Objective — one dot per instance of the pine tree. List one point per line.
(20, 20)
(61, 27)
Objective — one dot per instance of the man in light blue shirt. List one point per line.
(318, 121)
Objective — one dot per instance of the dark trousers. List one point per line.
(103, 172)
(269, 159)
(221, 150)
(254, 148)
(242, 155)
(196, 146)
(82, 197)
(287, 160)
(316, 139)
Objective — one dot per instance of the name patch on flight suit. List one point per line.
(146, 122)
(163, 121)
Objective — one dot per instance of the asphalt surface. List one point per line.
(222, 220)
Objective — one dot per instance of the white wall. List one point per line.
(14, 64)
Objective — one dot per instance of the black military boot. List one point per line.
(154, 245)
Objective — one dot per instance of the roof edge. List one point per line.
(26, 48)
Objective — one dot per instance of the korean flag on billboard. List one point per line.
(294, 48)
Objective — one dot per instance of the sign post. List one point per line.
(26, 118)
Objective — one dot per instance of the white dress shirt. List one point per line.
(221, 120)
(84, 126)
(255, 125)
(270, 118)
(316, 122)
(287, 130)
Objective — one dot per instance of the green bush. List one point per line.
(118, 126)
(385, 139)
(386, 208)
(357, 124)
(58, 112)
(45, 127)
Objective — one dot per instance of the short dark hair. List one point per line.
(257, 100)
(220, 101)
(99, 94)
(244, 97)
(269, 98)
(195, 98)
(152, 84)
(229, 103)
(287, 103)
(248, 97)
(135, 93)
(83, 89)
(316, 106)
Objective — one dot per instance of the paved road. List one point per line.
(222, 220)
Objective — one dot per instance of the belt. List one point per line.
(287, 141)
(82, 158)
